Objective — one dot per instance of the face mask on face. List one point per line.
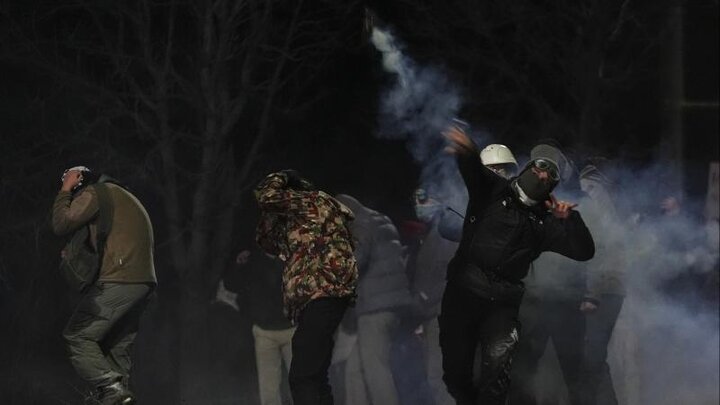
(426, 212)
(594, 190)
(533, 187)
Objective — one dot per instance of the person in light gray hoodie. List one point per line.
(382, 296)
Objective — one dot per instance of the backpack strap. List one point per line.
(105, 215)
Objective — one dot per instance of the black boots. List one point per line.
(115, 394)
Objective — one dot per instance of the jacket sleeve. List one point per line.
(363, 242)
(595, 277)
(273, 195)
(69, 214)
(602, 271)
(568, 237)
(479, 180)
(450, 226)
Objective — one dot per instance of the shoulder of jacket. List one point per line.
(87, 191)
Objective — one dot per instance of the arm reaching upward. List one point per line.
(478, 178)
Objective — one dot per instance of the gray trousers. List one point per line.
(433, 362)
(101, 331)
(598, 382)
(272, 348)
(368, 377)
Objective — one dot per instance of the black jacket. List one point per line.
(259, 287)
(501, 237)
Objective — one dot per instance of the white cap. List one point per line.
(496, 154)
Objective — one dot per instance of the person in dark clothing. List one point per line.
(552, 309)
(508, 224)
(257, 278)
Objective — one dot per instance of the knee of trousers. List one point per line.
(459, 386)
(497, 364)
(75, 338)
(296, 378)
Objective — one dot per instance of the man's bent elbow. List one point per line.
(60, 228)
(587, 253)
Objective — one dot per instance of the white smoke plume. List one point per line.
(420, 104)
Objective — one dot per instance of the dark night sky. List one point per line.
(338, 131)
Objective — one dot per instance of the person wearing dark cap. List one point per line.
(101, 331)
(552, 309)
(255, 281)
(509, 223)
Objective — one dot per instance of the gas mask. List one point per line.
(531, 189)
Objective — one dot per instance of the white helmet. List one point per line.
(496, 154)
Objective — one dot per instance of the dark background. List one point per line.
(191, 107)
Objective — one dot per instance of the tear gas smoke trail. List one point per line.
(420, 104)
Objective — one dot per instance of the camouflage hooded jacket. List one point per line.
(309, 231)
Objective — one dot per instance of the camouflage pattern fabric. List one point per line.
(309, 231)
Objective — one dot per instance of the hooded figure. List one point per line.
(310, 231)
(382, 294)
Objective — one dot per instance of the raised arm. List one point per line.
(478, 178)
(273, 194)
(69, 214)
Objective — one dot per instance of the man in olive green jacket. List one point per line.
(101, 331)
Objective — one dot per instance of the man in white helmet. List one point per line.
(499, 158)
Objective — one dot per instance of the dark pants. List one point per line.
(598, 385)
(312, 347)
(466, 323)
(101, 331)
(542, 320)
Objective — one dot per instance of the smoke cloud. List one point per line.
(665, 344)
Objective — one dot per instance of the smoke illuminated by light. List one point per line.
(663, 351)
